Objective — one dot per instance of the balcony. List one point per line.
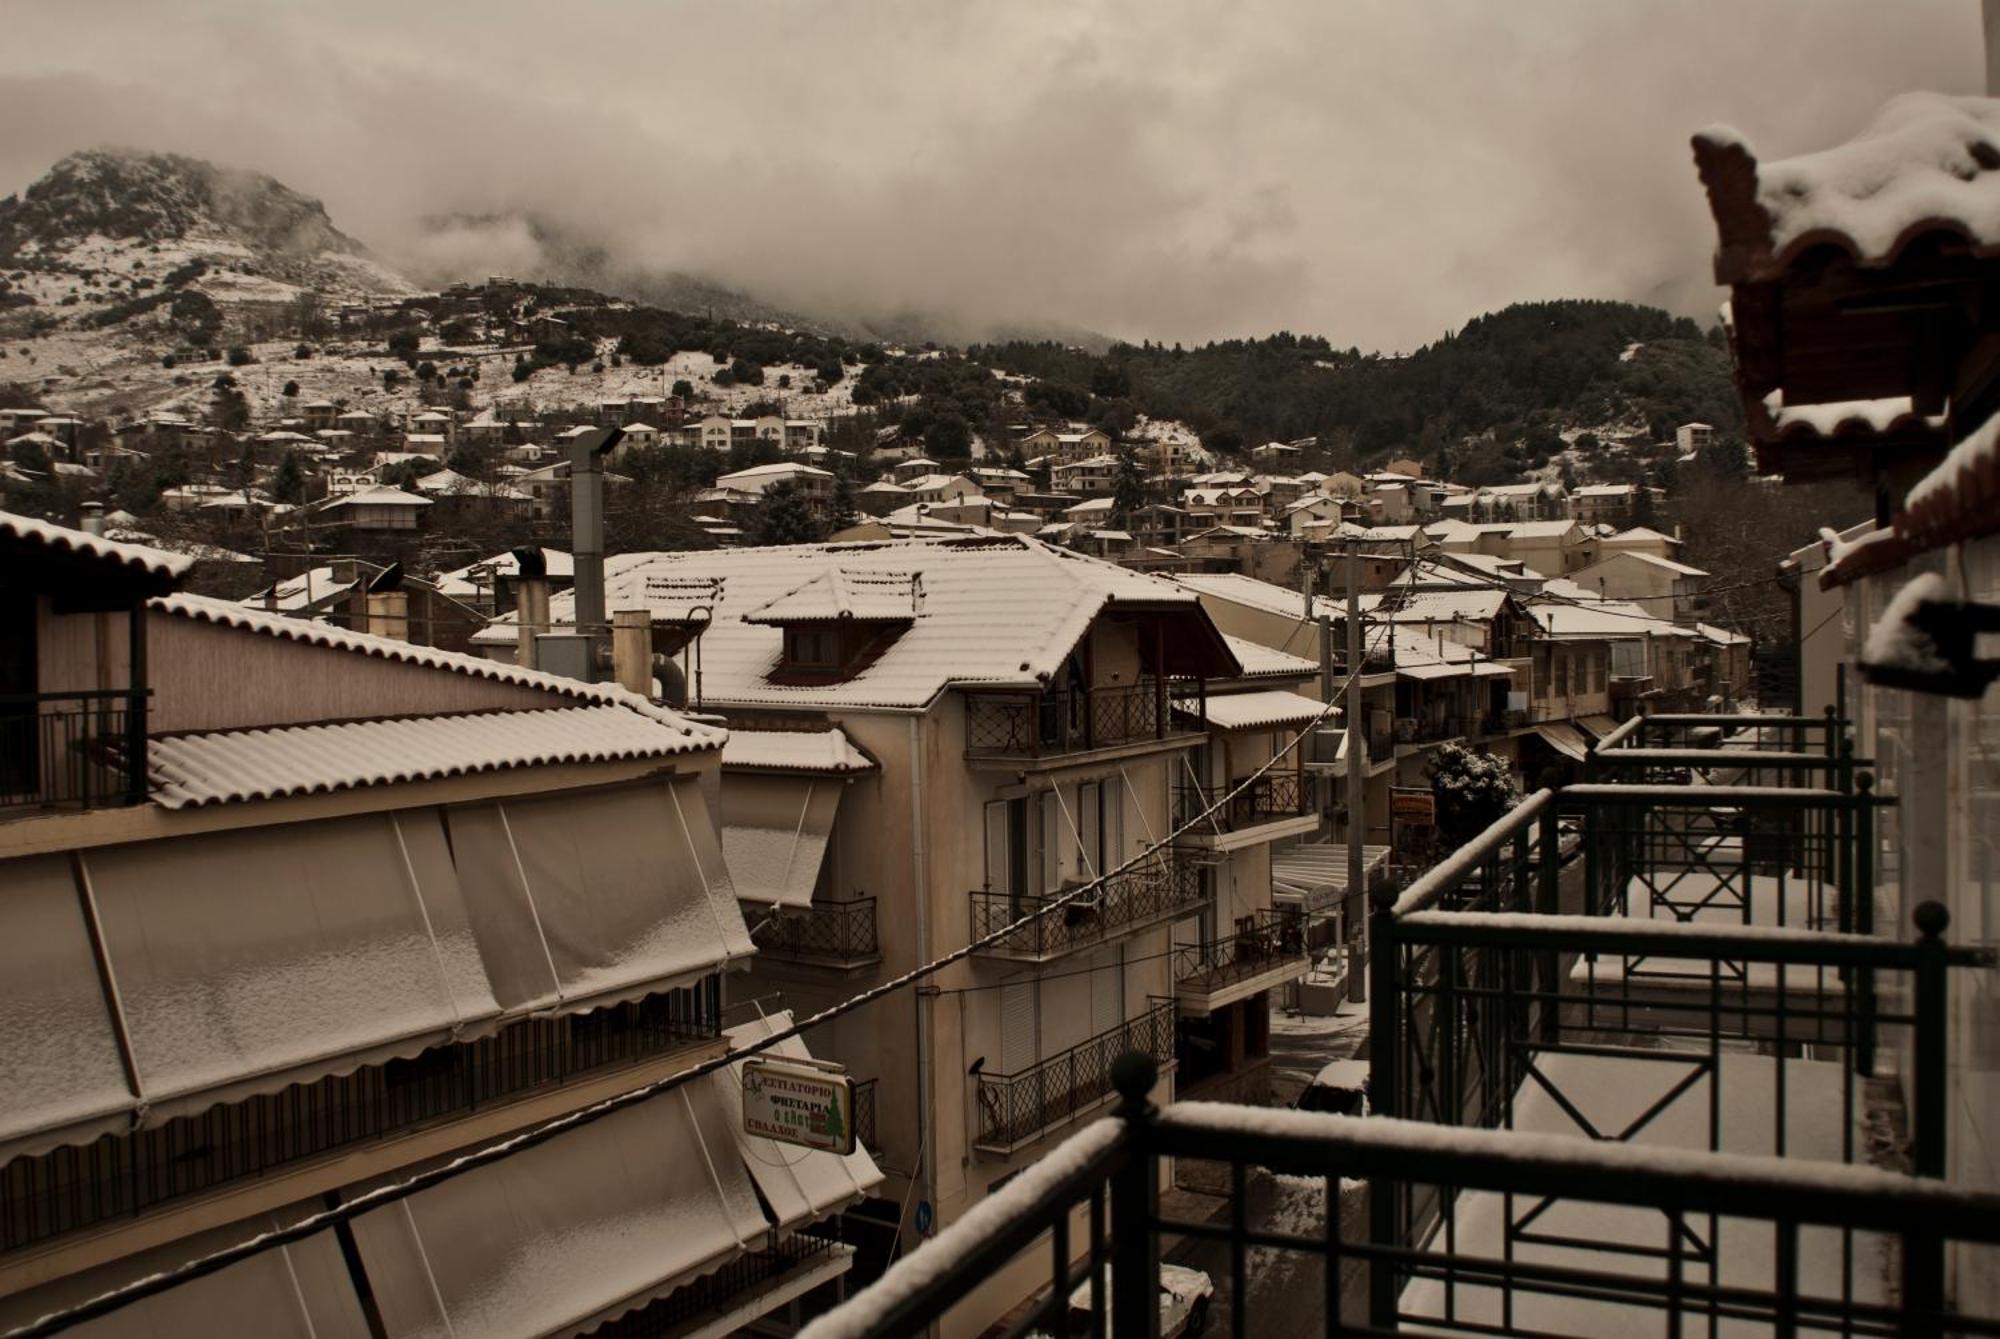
(1124, 904)
(1015, 1110)
(70, 751)
(1090, 1218)
(1277, 804)
(1018, 727)
(838, 935)
(1268, 953)
(123, 1175)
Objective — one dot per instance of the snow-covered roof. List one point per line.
(1652, 560)
(205, 609)
(1922, 166)
(1262, 709)
(886, 487)
(1442, 606)
(377, 497)
(1260, 661)
(137, 557)
(828, 752)
(459, 583)
(226, 766)
(1540, 529)
(301, 591)
(1608, 620)
(996, 610)
(841, 593)
(1638, 534)
(1847, 418)
(1722, 636)
(1091, 507)
(1606, 490)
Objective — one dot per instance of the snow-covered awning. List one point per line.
(1314, 876)
(560, 1237)
(1460, 669)
(775, 829)
(800, 1186)
(1564, 738)
(1264, 709)
(594, 898)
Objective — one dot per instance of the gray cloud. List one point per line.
(1369, 170)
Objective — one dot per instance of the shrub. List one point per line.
(240, 356)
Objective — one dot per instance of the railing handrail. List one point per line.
(1666, 757)
(1784, 797)
(76, 695)
(1148, 1015)
(1455, 868)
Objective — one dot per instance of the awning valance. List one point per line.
(800, 1185)
(775, 830)
(1564, 738)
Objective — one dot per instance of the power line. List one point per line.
(202, 1266)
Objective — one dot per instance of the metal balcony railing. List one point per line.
(1017, 1109)
(1141, 896)
(1275, 796)
(122, 1175)
(1272, 941)
(1032, 725)
(1090, 1216)
(864, 1113)
(836, 933)
(81, 750)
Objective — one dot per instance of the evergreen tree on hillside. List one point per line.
(1128, 488)
(785, 516)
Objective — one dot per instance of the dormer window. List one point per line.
(838, 622)
(812, 650)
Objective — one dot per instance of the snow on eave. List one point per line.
(824, 752)
(153, 562)
(204, 609)
(1959, 499)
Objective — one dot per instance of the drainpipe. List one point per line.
(926, 1169)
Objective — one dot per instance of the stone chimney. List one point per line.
(389, 614)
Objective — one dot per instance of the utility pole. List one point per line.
(1357, 785)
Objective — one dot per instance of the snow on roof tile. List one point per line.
(378, 497)
(202, 608)
(228, 766)
(842, 593)
(1923, 165)
(997, 610)
(824, 751)
(1260, 661)
(1264, 708)
(153, 562)
(1679, 569)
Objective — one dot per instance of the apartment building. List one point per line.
(292, 912)
(981, 724)
(1662, 586)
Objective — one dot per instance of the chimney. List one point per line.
(531, 603)
(93, 518)
(389, 614)
(586, 493)
(632, 650)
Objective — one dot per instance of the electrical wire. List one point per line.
(118, 1298)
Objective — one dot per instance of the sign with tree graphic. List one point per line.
(796, 1104)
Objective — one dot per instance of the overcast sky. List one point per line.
(1373, 170)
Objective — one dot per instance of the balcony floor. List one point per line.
(1251, 834)
(1209, 991)
(1612, 1092)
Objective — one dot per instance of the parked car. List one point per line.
(1341, 1088)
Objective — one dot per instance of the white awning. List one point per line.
(297, 1291)
(1457, 669)
(774, 834)
(567, 1234)
(245, 961)
(1268, 708)
(593, 898)
(801, 1185)
(1564, 738)
(60, 1073)
(1314, 875)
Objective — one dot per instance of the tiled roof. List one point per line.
(1922, 167)
(204, 609)
(153, 562)
(842, 593)
(997, 610)
(228, 766)
(1260, 661)
(824, 751)
(1265, 708)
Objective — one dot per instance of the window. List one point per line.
(811, 649)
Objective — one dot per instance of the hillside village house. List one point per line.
(948, 733)
(1090, 476)
(1606, 504)
(1693, 438)
(811, 480)
(291, 912)
(1661, 586)
(1065, 447)
(1241, 506)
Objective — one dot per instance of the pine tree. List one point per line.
(1128, 488)
(784, 516)
(288, 483)
(841, 512)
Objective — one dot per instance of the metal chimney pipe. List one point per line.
(586, 500)
(93, 518)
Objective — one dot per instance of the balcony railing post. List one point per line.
(1923, 1253)
(1385, 1045)
(1863, 918)
(1135, 1191)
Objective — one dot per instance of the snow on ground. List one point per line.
(1630, 351)
(1303, 1044)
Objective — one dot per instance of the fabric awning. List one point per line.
(593, 898)
(774, 833)
(1314, 876)
(800, 1185)
(567, 1234)
(1564, 738)
(59, 1064)
(244, 961)
(1598, 725)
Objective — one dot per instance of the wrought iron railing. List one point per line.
(1091, 1215)
(120, 1175)
(1016, 1109)
(1274, 796)
(80, 750)
(1272, 939)
(831, 932)
(1140, 896)
(1028, 725)
(864, 1114)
